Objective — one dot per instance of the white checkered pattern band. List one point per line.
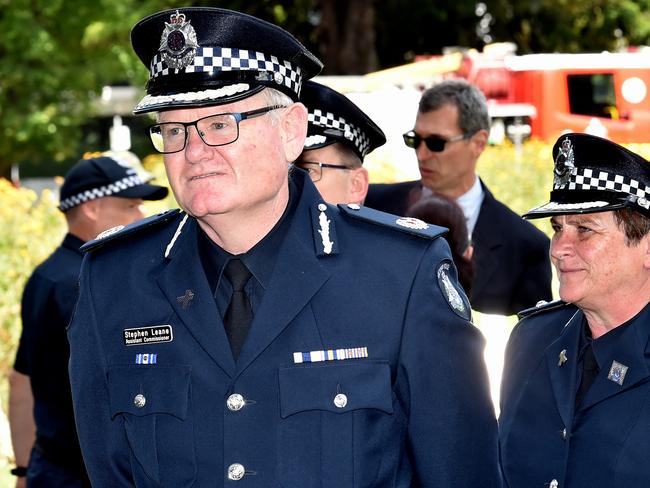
(209, 59)
(350, 132)
(103, 191)
(589, 179)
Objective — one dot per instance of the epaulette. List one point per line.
(121, 231)
(409, 225)
(542, 306)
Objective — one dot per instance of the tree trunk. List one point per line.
(347, 36)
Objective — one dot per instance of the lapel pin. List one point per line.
(185, 299)
(617, 372)
(562, 358)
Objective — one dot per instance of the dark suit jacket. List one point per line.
(605, 440)
(418, 407)
(513, 270)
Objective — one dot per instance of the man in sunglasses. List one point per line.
(339, 136)
(262, 337)
(513, 270)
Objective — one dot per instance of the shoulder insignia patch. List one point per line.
(408, 225)
(456, 297)
(121, 230)
(542, 306)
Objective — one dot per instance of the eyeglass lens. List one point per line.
(215, 130)
(434, 143)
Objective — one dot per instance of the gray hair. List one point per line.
(276, 97)
(468, 99)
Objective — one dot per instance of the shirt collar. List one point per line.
(73, 243)
(606, 345)
(260, 259)
(470, 202)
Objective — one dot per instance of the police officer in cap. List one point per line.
(97, 194)
(339, 137)
(259, 336)
(574, 403)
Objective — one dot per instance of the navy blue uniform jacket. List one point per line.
(513, 270)
(418, 411)
(605, 442)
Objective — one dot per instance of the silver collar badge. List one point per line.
(178, 42)
(324, 230)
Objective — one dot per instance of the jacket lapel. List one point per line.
(487, 253)
(182, 278)
(562, 362)
(630, 354)
(297, 277)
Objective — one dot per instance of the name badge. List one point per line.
(148, 335)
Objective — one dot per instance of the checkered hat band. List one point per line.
(330, 121)
(590, 179)
(212, 59)
(103, 191)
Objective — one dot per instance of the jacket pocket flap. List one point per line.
(141, 390)
(336, 388)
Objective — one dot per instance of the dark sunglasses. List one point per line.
(434, 143)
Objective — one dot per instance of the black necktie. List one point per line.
(239, 315)
(589, 372)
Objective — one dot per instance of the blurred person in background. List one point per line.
(575, 398)
(97, 194)
(339, 136)
(451, 130)
(445, 212)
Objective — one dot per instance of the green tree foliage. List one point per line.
(571, 25)
(56, 55)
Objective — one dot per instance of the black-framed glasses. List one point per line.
(214, 130)
(434, 143)
(315, 169)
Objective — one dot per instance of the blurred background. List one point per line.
(69, 79)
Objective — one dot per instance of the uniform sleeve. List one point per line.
(443, 385)
(36, 303)
(103, 442)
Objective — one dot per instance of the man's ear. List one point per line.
(90, 210)
(358, 185)
(294, 129)
(479, 142)
(645, 241)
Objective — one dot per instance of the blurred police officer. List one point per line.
(97, 194)
(339, 136)
(261, 337)
(575, 403)
(451, 130)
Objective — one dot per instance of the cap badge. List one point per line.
(178, 42)
(564, 163)
(412, 223)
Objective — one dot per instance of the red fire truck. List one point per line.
(604, 94)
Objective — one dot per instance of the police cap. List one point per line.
(592, 174)
(210, 56)
(105, 176)
(333, 117)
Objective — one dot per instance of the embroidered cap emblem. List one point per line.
(564, 163)
(178, 42)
